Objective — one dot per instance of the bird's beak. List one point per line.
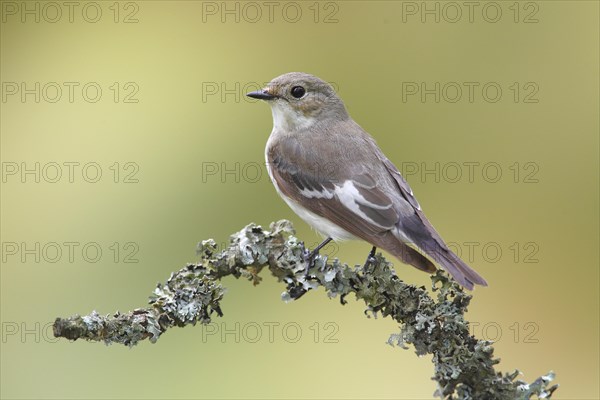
(262, 94)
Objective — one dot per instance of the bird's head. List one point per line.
(299, 100)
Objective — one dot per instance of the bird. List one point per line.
(333, 175)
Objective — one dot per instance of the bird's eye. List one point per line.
(298, 91)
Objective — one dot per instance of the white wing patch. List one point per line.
(350, 197)
(319, 194)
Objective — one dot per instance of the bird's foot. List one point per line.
(371, 260)
(297, 289)
(309, 257)
(296, 292)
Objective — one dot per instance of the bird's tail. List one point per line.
(408, 255)
(459, 270)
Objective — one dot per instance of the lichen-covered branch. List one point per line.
(464, 366)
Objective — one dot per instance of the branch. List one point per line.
(464, 366)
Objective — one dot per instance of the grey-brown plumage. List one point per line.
(334, 176)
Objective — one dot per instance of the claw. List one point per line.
(310, 259)
(370, 258)
(296, 292)
(343, 299)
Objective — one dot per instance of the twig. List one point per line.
(464, 366)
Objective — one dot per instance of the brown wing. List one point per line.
(349, 197)
(418, 228)
(417, 224)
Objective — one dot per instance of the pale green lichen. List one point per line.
(464, 366)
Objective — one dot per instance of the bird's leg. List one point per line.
(370, 258)
(310, 258)
(319, 247)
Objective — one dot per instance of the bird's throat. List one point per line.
(286, 119)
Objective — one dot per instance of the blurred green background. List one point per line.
(180, 151)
